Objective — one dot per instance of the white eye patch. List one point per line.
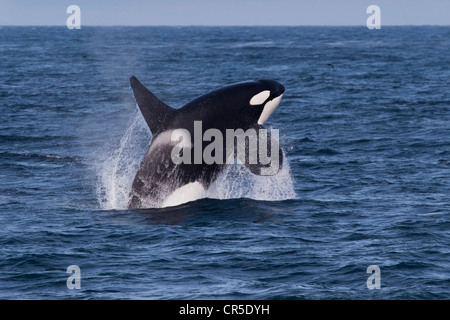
(259, 98)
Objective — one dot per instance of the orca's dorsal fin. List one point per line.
(155, 112)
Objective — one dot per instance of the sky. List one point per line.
(224, 12)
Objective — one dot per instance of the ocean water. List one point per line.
(364, 124)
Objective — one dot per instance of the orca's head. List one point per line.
(263, 97)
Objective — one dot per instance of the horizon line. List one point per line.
(232, 26)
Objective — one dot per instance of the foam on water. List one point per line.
(117, 171)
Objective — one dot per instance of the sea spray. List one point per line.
(236, 181)
(118, 169)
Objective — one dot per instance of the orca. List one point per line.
(162, 182)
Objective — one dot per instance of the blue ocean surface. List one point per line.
(365, 128)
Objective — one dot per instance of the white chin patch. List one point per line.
(269, 108)
(259, 98)
(190, 192)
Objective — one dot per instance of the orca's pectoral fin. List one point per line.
(155, 112)
(266, 159)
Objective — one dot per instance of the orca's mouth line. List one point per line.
(269, 108)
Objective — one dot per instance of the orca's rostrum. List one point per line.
(191, 145)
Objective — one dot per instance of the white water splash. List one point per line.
(238, 182)
(116, 174)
